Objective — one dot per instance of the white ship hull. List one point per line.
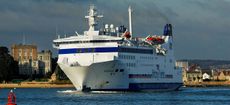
(98, 76)
(101, 77)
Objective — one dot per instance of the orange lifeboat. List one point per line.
(155, 40)
(127, 35)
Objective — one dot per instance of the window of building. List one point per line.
(40, 58)
(25, 53)
(20, 50)
(24, 57)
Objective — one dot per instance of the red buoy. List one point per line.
(11, 98)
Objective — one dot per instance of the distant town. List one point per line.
(25, 64)
(205, 72)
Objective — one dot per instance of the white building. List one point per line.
(206, 76)
(45, 59)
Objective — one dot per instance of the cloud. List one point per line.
(201, 27)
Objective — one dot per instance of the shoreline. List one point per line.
(36, 85)
(208, 84)
(69, 85)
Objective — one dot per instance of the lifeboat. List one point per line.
(127, 35)
(155, 40)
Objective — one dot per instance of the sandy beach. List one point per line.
(36, 85)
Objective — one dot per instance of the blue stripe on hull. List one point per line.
(105, 49)
(88, 50)
(146, 86)
(154, 86)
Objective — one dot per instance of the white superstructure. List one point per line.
(110, 59)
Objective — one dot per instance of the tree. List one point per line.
(60, 74)
(8, 67)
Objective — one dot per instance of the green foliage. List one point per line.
(60, 74)
(17, 80)
(62, 82)
(48, 74)
(8, 67)
(41, 80)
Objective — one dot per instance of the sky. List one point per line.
(200, 27)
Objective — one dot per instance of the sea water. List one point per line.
(68, 96)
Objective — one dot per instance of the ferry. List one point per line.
(112, 59)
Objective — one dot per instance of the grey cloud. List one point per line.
(198, 24)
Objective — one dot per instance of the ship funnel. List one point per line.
(168, 30)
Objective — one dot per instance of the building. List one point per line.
(45, 59)
(184, 66)
(222, 75)
(206, 76)
(30, 61)
(26, 56)
(192, 74)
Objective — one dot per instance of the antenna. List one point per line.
(65, 35)
(93, 17)
(130, 21)
(56, 32)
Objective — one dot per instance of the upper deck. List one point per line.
(111, 36)
(86, 39)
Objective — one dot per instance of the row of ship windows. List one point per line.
(112, 49)
(129, 57)
(154, 75)
(89, 41)
(127, 64)
(119, 70)
(134, 65)
(136, 50)
(146, 57)
(131, 64)
(85, 50)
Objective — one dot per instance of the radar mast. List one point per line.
(93, 18)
